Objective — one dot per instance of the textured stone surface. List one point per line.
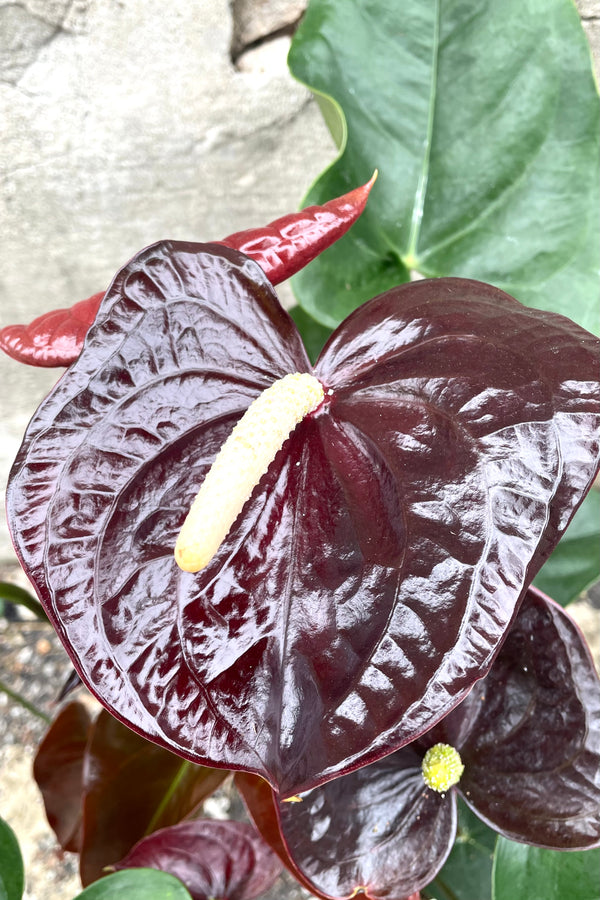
(123, 125)
(589, 10)
(255, 20)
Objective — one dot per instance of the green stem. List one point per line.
(20, 699)
(19, 596)
(185, 766)
(440, 881)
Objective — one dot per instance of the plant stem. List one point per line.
(448, 890)
(12, 593)
(24, 702)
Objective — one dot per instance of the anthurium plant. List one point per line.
(313, 580)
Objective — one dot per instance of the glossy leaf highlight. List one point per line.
(389, 834)
(370, 578)
(212, 858)
(528, 737)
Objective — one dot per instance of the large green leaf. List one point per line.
(467, 873)
(12, 877)
(313, 333)
(575, 564)
(136, 884)
(482, 118)
(529, 873)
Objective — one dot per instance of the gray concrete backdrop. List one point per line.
(126, 121)
(123, 122)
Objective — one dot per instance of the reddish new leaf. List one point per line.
(370, 578)
(130, 788)
(53, 339)
(281, 249)
(58, 771)
(213, 859)
(288, 244)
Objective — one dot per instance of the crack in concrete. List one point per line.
(285, 31)
(24, 38)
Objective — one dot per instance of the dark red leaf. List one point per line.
(529, 738)
(58, 771)
(531, 734)
(281, 249)
(213, 859)
(132, 787)
(372, 575)
(378, 829)
(288, 244)
(261, 803)
(53, 339)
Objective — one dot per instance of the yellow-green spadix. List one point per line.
(241, 462)
(442, 767)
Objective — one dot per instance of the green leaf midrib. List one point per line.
(488, 210)
(182, 771)
(409, 257)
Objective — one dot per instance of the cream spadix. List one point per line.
(241, 462)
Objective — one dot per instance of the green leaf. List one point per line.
(136, 884)
(483, 121)
(313, 333)
(467, 873)
(530, 873)
(12, 876)
(11, 593)
(575, 564)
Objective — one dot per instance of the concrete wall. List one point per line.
(126, 121)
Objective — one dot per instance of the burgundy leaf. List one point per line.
(132, 787)
(370, 578)
(377, 830)
(288, 244)
(58, 769)
(529, 734)
(53, 339)
(529, 738)
(261, 804)
(215, 860)
(281, 249)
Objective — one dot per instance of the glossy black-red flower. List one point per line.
(371, 576)
(529, 738)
